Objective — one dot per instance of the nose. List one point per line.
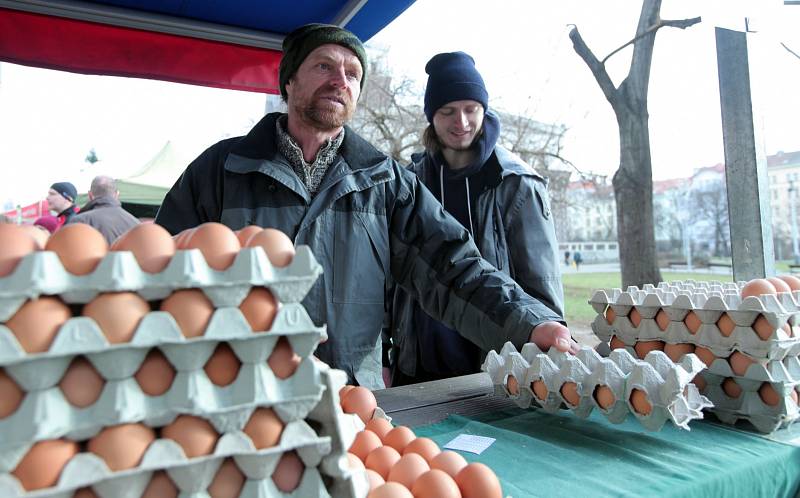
(462, 120)
(338, 77)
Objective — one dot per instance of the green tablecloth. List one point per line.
(537, 454)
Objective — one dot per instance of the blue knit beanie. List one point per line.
(452, 76)
(66, 189)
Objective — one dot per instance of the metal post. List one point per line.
(745, 162)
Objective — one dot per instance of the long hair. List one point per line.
(430, 140)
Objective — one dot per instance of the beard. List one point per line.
(324, 115)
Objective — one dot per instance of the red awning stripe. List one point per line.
(91, 48)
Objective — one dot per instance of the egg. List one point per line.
(217, 242)
(361, 402)
(539, 389)
(42, 464)
(677, 351)
(259, 309)
(662, 320)
(17, 244)
(779, 284)
(363, 444)
(616, 343)
(692, 322)
(731, 388)
(155, 374)
(769, 395)
(39, 235)
(399, 437)
(449, 462)
(569, 391)
(512, 386)
(390, 490)
(423, 447)
(10, 395)
(223, 366)
(228, 481)
(160, 486)
(604, 396)
(763, 328)
(81, 383)
(408, 469)
(700, 382)
(195, 435)
(354, 463)
(278, 247)
(283, 361)
(705, 355)
(644, 347)
(476, 480)
(264, 428)
(611, 315)
(151, 245)
(85, 493)
(288, 472)
(725, 324)
(182, 238)
(122, 446)
(374, 479)
(36, 323)
(79, 247)
(757, 287)
(343, 392)
(118, 314)
(635, 317)
(795, 397)
(792, 281)
(739, 363)
(435, 484)
(246, 233)
(381, 460)
(640, 403)
(379, 426)
(191, 309)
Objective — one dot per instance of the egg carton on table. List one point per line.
(41, 273)
(667, 386)
(191, 475)
(45, 413)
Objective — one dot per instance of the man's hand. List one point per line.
(553, 334)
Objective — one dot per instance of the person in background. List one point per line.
(566, 258)
(104, 210)
(47, 222)
(61, 200)
(578, 259)
(366, 219)
(495, 196)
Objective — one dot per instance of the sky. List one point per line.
(50, 120)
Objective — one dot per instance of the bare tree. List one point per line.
(633, 180)
(710, 208)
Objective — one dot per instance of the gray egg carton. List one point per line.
(709, 300)
(667, 385)
(41, 273)
(46, 414)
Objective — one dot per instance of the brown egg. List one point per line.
(662, 319)
(423, 447)
(692, 322)
(278, 247)
(476, 480)
(705, 355)
(644, 347)
(155, 374)
(512, 386)
(117, 314)
(223, 366)
(757, 287)
(700, 382)
(616, 343)
(36, 323)
(449, 462)
(79, 247)
(794, 396)
(17, 244)
(569, 391)
(191, 309)
(731, 388)
(762, 328)
(611, 315)
(259, 309)
(122, 446)
(739, 362)
(195, 435)
(10, 395)
(374, 479)
(640, 402)
(399, 437)
(228, 481)
(343, 392)
(539, 389)
(363, 444)
(435, 484)
(725, 325)
(604, 396)
(283, 361)
(42, 464)
(39, 235)
(390, 490)
(676, 351)
(289, 472)
(779, 284)
(182, 238)
(85, 493)
(264, 428)
(792, 281)
(355, 463)
(769, 395)
(635, 317)
(217, 242)
(379, 426)
(381, 460)
(81, 384)
(408, 469)
(160, 486)
(361, 402)
(246, 233)
(151, 245)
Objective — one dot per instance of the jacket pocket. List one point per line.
(361, 258)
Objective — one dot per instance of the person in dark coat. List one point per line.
(61, 201)
(104, 211)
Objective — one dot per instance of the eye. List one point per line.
(324, 66)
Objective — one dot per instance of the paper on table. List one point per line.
(470, 443)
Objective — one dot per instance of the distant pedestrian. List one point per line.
(61, 201)
(566, 258)
(104, 210)
(578, 259)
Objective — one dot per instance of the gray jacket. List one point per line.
(514, 232)
(107, 216)
(371, 222)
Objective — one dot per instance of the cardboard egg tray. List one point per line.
(41, 273)
(709, 301)
(667, 385)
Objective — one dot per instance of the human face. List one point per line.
(324, 90)
(458, 123)
(56, 201)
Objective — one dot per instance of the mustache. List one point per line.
(340, 97)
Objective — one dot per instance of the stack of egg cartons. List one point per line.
(749, 345)
(238, 407)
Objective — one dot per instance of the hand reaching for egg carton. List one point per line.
(654, 389)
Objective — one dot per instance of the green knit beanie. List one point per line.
(302, 41)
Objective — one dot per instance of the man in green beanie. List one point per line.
(367, 219)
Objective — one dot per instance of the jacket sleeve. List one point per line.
(532, 245)
(434, 259)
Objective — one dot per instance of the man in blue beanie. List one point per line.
(61, 201)
(493, 194)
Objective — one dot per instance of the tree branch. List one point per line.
(597, 68)
(790, 50)
(673, 23)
